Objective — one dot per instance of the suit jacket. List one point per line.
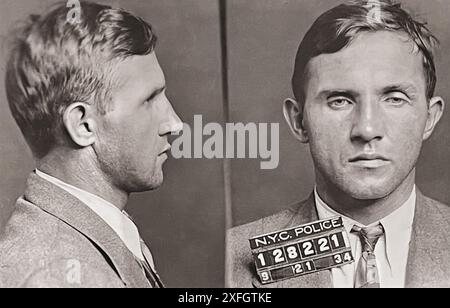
(428, 262)
(54, 240)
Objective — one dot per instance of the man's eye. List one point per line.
(150, 100)
(339, 103)
(396, 101)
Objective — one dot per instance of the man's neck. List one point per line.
(83, 173)
(365, 211)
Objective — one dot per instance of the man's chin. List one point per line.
(156, 182)
(368, 191)
(152, 183)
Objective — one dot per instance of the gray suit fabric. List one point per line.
(428, 263)
(54, 240)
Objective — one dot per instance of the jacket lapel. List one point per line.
(305, 213)
(80, 217)
(428, 261)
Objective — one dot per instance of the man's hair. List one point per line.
(336, 28)
(55, 62)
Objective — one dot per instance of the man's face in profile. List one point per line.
(132, 140)
(366, 114)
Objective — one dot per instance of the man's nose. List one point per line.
(172, 124)
(368, 122)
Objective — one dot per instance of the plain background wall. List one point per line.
(263, 39)
(183, 221)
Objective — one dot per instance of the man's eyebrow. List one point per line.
(156, 92)
(407, 88)
(337, 92)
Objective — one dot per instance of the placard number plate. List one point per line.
(301, 250)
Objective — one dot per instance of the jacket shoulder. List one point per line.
(38, 249)
(263, 225)
(428, 262)
(438, 206)
(435, 213)
(239, 261)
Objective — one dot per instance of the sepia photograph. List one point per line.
(361, 86)
(224, 144)
(160, 61)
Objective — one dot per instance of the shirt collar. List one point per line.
(324, 212)
(397, 225)
(118, 220)
(400, 219)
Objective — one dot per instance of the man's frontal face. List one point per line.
(365, 114)
(133, 137)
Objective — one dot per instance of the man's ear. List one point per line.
(80, 124)
(293, 114)
(435, 111)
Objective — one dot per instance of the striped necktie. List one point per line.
(149, 267)
(367, 275)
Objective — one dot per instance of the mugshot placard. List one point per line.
(301, 250)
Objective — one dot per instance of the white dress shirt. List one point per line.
(118, 221)
(391, 250)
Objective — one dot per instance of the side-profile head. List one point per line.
(364, 82)
(93, 88)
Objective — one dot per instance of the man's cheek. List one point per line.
(411, 150)
(322, 154)
(406, 139)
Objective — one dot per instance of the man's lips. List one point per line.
(165, 149)
(369, 160)
(367, 156)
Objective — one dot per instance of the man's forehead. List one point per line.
(140, 69)
(382, 55)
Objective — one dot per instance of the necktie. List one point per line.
(366, 272)
(149, 267)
